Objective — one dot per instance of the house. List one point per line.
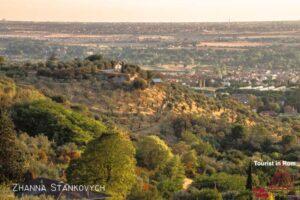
(118, 67)
(290, 110)
(156, 81)
(56, 189)
(226, 84)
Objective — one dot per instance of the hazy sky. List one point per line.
(149, 10)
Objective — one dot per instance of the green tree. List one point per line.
(95, 57)
(191, 163)
(288, 141)
(109, 161)
(152, 152)
(12, 160)
(171, 177)
(2, 60)
(238, 132)
(56, 122)
(141, 193)
(52, 61)
(249, 182)
(259, 135)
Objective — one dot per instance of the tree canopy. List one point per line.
(152, 152)
(56, 122)
(109, 161)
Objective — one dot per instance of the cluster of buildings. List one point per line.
(264, 77)
(244, 79)
(243, 82)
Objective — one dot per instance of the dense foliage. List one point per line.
(56, 122)
(108, 161)
(153, 153)
(12, 159)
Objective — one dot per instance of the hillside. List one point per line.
(135, 104)
(179, 141)
(146, 111)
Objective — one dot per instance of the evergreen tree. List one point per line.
(52, 61)
(191, 163)
(11, 158)
(249, 184)
(171, 177)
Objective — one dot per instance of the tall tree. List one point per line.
(11, 158)
(249, 183)
(171, 177)
(109, 161)
(152, 152)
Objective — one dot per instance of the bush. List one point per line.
(222, 181)
(191, 163)
(144, 191)
(59, 99)
(95, 57)
(208, 194)
(237, 195)
(6, 192)
(40, 155)
(139, 83)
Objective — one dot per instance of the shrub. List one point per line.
(208, 194)
(59, 99)
(95, 57)
(222, 181)
(139, 83)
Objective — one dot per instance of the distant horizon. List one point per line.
(149, 22)
(150, 11)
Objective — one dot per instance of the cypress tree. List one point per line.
(11, 158)
(249, 185)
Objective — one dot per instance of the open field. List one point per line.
(233, 44)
